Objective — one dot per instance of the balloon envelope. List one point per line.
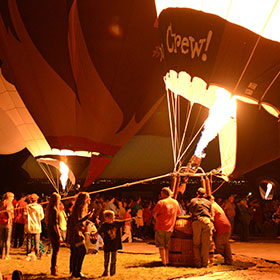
(89, 72)
(203, 50)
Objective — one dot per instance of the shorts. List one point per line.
(162, 238)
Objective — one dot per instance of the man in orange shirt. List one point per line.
(222, 232)
(165, 213)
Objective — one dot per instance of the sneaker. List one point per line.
(104, 274)
(79, 275)
(7, 257)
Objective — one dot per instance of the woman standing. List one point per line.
(76, 228)
(53, 229)
(6, 224)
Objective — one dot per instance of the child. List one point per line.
(127, 225)
(110, 230)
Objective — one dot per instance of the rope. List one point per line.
(171, 127)
(254, 49)
(218, 187)
(107, 189)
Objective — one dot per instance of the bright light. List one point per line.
(219, 114)
(72, 153)
(64, 170)
(268, 190)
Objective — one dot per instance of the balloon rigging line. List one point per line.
(175, 118)
(195, 123)
(170, 122)
(177, 127)
(178, 114)
(104, 190)
(121, 186)
(269, 86)
(247, 63)
(171, 129)
(132, 183)
(48, 174)
(175, 113)
(229, 7)
(190, 143)
(254, 49)
(218, 187)
(185, 129)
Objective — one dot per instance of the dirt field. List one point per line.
(142, 265)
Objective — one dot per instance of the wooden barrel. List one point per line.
(180, 246)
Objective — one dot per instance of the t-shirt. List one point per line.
(127, 216)
(6, 213)
(221, 222)
(111, 234)
(200, 207)
(147, 215)
(229, 209)
(19, 211)
(166, 210)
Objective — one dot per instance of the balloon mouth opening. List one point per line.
(267, 189)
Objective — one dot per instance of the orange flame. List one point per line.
(64, 170)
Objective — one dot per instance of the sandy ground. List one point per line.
(141, 261)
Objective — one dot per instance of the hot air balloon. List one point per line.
(20, 131)
(88, 72)
(223, 55)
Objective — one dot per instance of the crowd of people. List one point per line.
(109, 221)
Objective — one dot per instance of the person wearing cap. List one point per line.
(202, 226)
(35, 214)
(165, 213)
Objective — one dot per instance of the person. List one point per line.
(222, 232)
(257, 218)
(19, 221)
(121, 209)
(110, 231)
(139, 223)
(76, 229)
(17, 275)
(147, 218)
(229, 209)
(35, 214)
(245, 219)
(276, 220)
(136, 206)
(200, 210)
(6, 224)
(111, 205)
(54, 233)
(62, 217)
(165, 213)
(127, 226)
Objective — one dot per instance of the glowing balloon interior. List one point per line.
(214, 55)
